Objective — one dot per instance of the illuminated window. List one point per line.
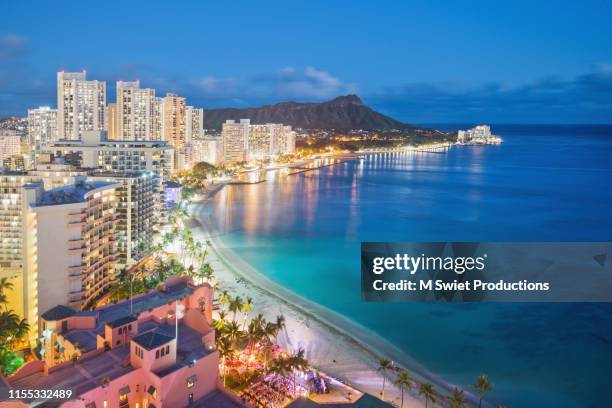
(191, 381)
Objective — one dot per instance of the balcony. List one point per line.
(76, 250)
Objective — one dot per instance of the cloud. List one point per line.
(286, 83)
(11, 46)
(310, 83)
(584, 98)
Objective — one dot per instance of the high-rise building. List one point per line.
(173, 120)
(269, 140)
(69, 245)
(81, 105)
(283, 140)
(194, 123)
(12, 227)
(209, 150)
(111, 121)
(42, 130)
(243, 141)
(10, 146)
(97, 153)
(158, 119)
(173, 128)
(235, 138)
(135, 212)
(135, 111)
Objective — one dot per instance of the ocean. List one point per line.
(544, 183)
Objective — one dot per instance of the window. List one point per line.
(191, 381)
(157, 353)
(168, 349)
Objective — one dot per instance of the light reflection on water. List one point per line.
(304, 231)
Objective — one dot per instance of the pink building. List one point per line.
(157, 350)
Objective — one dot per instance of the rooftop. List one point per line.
(81, 377)
(86, 339)
(88, 373)
(121, 321)
(58, 312)
(69, 194)
(189, 347)
(153, 338)
(215, 400)
(143, 303)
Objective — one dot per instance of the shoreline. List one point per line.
(333, 343)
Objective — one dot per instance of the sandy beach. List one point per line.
(333, 343)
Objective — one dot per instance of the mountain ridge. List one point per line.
(341, 113)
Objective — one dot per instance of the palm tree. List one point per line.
(428, 392)
(253, 335)
(233, 332)
(224, 297)
(5, 284)
(403, 381)
(224, 346)
(482, 385)
(234, 306)
(246, 308)
(20, 330)
(280, 324)
(221, 320)
(457, 399)
(384, 366)
(267, 353)
(280, 366)
(297, 362)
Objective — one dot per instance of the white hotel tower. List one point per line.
(42, 130)
(81, 105)
(135, 112)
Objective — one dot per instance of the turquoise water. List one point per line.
(542, 184)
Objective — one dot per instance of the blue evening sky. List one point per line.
(419, 61)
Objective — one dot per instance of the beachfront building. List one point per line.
(10, 146)
(480, 134)
(12, 227)
(207, 150)
(96, 153)
(81, 105)
(136, 214)
(268, 140)
(42, 130)
(235, 136)
(244, 141)
(135, 112)
(155, 350)
(283, 140)
(68, 245)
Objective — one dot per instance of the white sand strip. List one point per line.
(333, 343)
